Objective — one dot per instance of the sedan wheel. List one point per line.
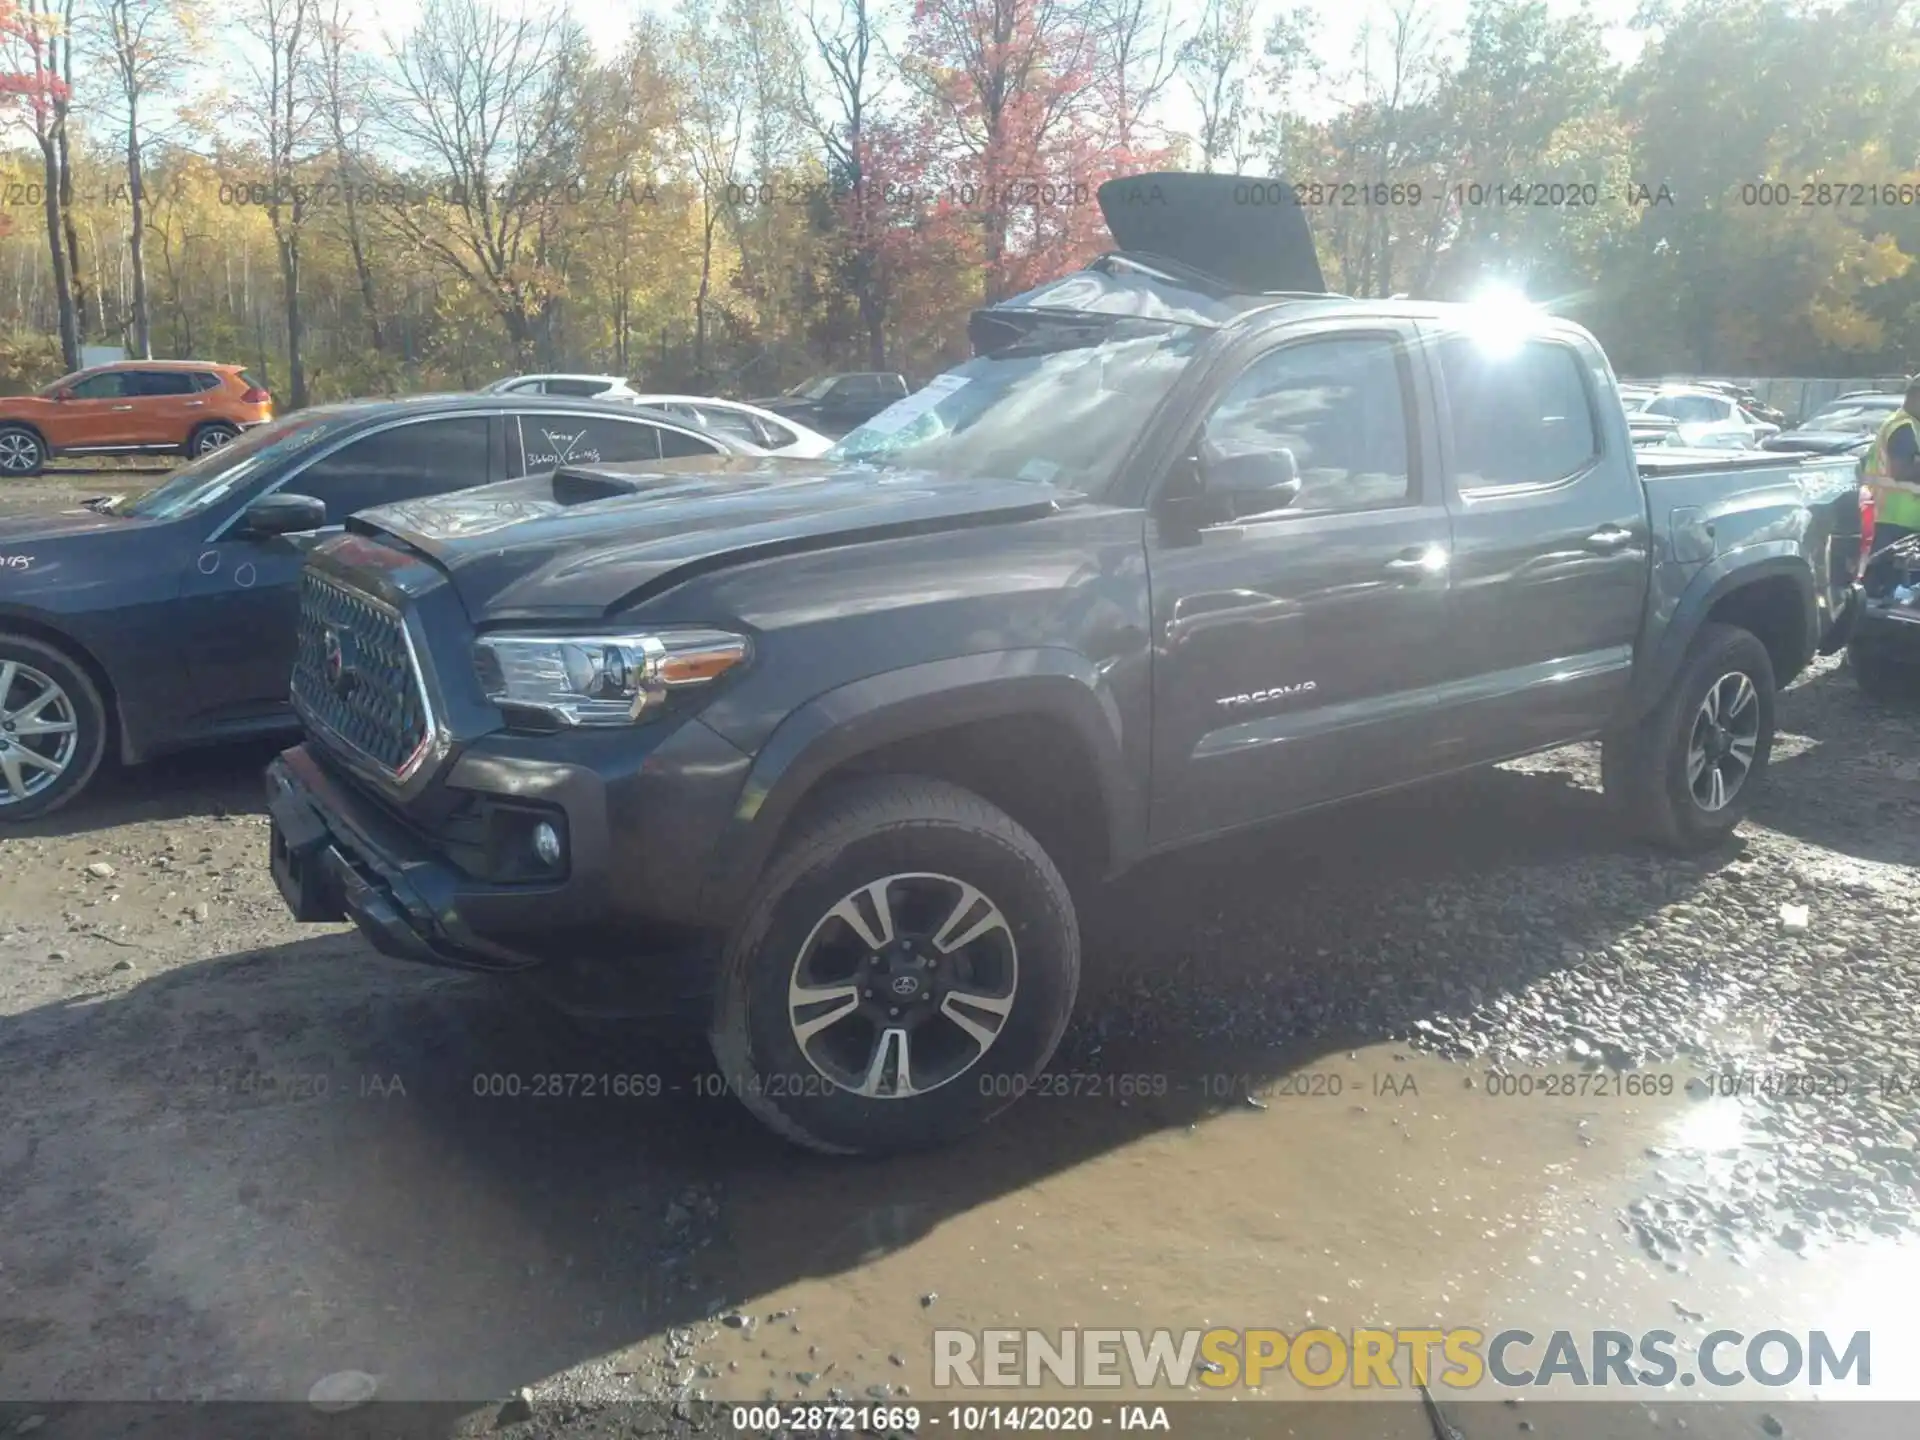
(39, 733)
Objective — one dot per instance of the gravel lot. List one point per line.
(238, 1156)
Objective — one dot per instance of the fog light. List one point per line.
(546, 844)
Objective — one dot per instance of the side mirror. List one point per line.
(65, 392)
(1251, 483)
(283, 515)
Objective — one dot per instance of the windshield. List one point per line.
(215, 475)
(812, 389)
(1850, 417)
(1060, 405)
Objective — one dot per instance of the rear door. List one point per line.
(1295, 651)
(242, 599)
(1551, 539)
(543, 441)
(166, 405)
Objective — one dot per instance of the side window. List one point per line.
(427, 457)
(772, 436)
(1520, 417)
(108, 385)
(160, 382)
(550, 441)
(730, 423)
(677, 443)
(1339, 406)
(206, 380)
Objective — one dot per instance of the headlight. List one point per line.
(601, 679)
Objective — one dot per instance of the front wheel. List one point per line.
(23, 454)
(53, 728)
(906, 966)
(1686, 774)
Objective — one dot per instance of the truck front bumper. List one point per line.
(335, 857)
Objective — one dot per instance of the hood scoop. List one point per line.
(1246, 232)
(582, 487)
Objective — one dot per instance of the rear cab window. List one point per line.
(1521, 418)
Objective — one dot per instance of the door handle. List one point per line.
(1417, 560)
(123, 407)
(195, 404)
(1608, 537)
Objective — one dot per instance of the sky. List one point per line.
(1341, 25)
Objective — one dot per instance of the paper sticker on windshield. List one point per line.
(903, 413)
(1040, 471)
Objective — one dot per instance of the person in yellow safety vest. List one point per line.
(1893, 471)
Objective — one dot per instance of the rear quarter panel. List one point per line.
(1717, 528)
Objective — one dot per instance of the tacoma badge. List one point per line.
(1262, 697)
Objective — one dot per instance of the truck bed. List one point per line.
(1670, 461)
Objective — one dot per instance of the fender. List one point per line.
(896, 705)
(1680, 621)
(40, 626)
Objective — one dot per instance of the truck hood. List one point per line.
(586, 542)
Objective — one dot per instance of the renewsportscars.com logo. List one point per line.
(1391, 1359)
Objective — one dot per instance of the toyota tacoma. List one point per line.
(822, 752)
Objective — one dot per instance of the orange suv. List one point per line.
(131, 407)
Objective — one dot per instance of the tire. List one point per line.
(955, 868)
(1646, 769)
(30, 669)
(23, 454)
(210, 437)
(1880, 676)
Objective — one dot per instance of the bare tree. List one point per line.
(49, 31)
(282, 108)
(344, 84)
(1139, 57)
(716, 78)
(146, 45)
(842, 120)
(489, 102)
(1216, 62)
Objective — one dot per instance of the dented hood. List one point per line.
(588, 542)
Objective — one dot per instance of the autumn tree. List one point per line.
(1216, 62)
(344, 80)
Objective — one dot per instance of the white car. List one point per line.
(585, 387)
(1701, 412)
(772, 433)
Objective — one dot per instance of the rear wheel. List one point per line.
(210, 437)
(1686, 774)
(905, 967)
(22, 453)
(53, 728)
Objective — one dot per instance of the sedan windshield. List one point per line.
(1061, 404)
(218, 473)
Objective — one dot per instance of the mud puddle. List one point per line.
(1369, 1188)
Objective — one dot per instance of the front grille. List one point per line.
(370, 698)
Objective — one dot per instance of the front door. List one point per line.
(98, 414)
(1294, 650)
(242, 598)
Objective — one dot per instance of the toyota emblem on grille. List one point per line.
(338, 664)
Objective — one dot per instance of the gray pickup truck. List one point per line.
(817, 755)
